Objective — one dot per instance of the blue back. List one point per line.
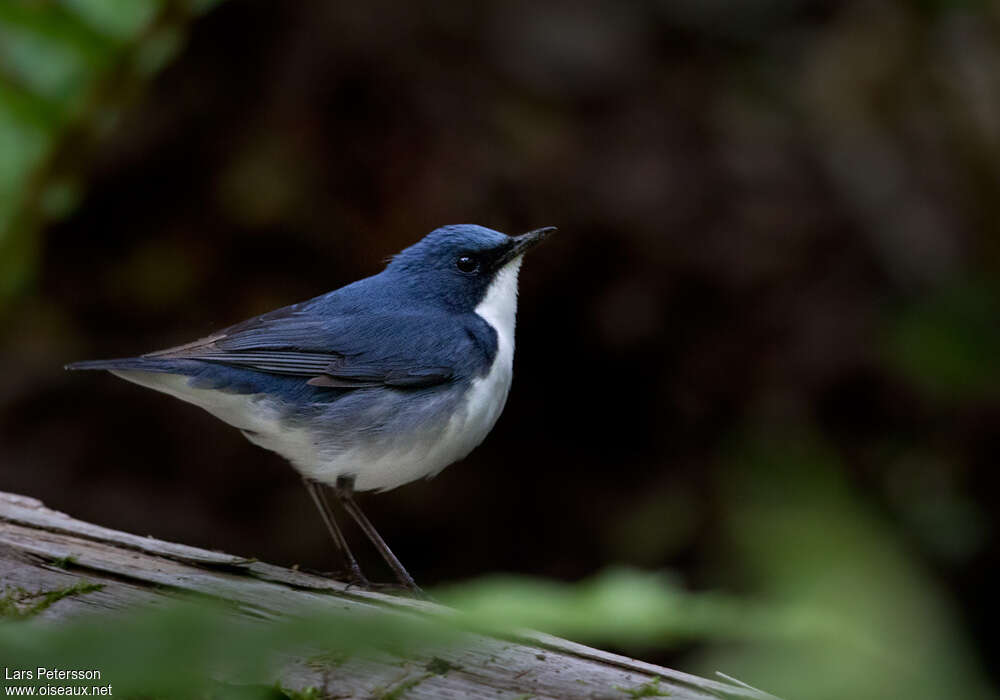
(409, 327)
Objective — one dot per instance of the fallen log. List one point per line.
(72, 568)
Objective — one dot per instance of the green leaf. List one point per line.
(948, 343)
(65, 65)
(118, 18)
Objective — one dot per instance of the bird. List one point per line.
(376, 384)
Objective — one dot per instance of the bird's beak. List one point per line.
(527, 241)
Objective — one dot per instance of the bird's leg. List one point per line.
(318, 495)
(344, 489)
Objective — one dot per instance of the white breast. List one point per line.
(488, 394)
(473, 421)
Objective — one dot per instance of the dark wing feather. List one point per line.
(307, 364)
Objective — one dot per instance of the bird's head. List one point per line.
(460, 265)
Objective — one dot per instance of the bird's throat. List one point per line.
(499, 305)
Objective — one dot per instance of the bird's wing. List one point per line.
(346, 350)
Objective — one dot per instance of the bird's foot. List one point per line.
(342, 576)
(363, 584)
(401, 590)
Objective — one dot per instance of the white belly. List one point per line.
(382, 466)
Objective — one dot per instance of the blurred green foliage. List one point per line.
(65, 68)
(175, 652)
(633, 609)
(948, 343)
(809, 541)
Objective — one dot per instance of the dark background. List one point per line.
(774, 289)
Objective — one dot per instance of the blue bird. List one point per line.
(371, 386)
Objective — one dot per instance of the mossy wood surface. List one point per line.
(44, 551)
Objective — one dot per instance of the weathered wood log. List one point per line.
(135, 571)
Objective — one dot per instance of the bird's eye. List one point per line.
(467, 263)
